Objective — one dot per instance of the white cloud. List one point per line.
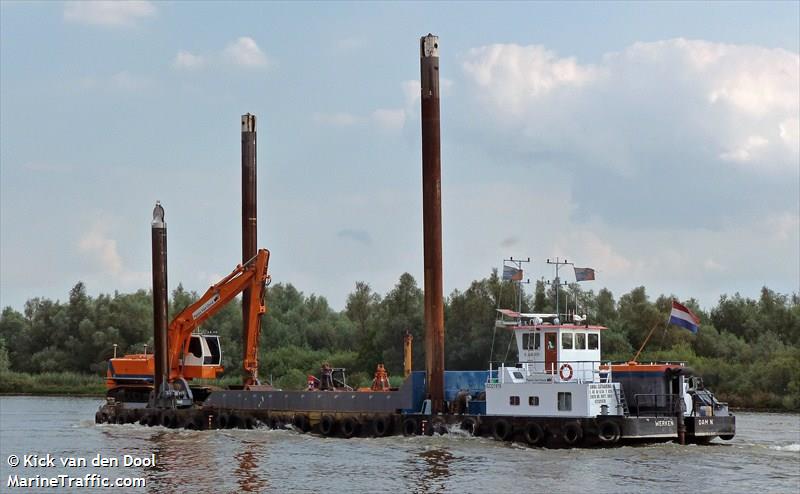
(746, 151)
(390, 119)
(187, 60)
(245, 52)
(108, 13)
(102, 251)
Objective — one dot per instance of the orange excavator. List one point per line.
(192, 355)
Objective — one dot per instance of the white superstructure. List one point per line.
(560, 373)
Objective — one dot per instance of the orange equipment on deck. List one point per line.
(193, 356)
(381, 380)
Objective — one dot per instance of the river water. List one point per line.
(764, 456)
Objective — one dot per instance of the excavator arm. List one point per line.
(252, 274)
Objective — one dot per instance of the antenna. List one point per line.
(557, 282)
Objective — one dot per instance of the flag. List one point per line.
(584, 274)
(512, 273)
(683, 317)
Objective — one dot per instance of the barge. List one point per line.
(560, 394)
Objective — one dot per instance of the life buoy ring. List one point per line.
(501, 430)
(534, 434)
(349, 427)
(380, 426)
(470, 425)
(327, 425)
(608, 432)
(410, 427)
(572, 433)
(565, 376)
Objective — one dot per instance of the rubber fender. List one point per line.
(470, 425)
(327, 425)
(301, 423)
(438, 426)
(381, 426)
(349, 427)
(534, 434)
(502, 429)
(248, 422)
(608, 431)
(572, 433)
(100, 418)
(154, 419)
(410, 427)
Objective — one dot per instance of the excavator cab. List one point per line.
(203, 358)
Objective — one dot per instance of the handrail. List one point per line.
(577, 371)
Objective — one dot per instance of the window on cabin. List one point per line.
(566, 341)
(513, 400)
(518, 375)
(594, 341)
(526, 341)
(537, 341)
(533, 401)
(564, 402)
(580, 341)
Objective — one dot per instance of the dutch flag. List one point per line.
(683, 317)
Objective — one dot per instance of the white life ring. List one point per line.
(565, 376)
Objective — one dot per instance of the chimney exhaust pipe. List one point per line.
(432, 220)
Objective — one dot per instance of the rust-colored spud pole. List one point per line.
(158, 231)
(432, 220)
(249, 227)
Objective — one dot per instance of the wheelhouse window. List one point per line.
(580, 341)
(564, 402)
(513, 400)
(533, 401)
(530, 341)
(566, 341)
(594, 341)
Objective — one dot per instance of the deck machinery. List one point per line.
(560, 394)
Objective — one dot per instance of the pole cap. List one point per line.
(158, 216)
(429, 46)
(248, 123)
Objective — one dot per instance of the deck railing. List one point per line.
(580, 371)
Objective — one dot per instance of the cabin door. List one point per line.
(550, 352)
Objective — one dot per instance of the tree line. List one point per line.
(746, 349)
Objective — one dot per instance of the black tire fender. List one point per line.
(502, 430)
(470, 425)
(608, 431)
(572, 433)
(410, 427)
(534, 434)
(327, 425)
(349, 427)
(381, 426)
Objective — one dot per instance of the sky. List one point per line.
(658, 143)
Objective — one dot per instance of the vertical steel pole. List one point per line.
(249, 223)
(158, 229)
(432, 220)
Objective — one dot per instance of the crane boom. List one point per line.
(252, 274)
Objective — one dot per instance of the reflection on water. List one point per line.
(247, 469)
(435, 470)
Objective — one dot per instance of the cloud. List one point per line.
(186, 60)
(718, 121)
(108, 13)
(390, 119)
(360, 236)
(102, 252)
(245, 52)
